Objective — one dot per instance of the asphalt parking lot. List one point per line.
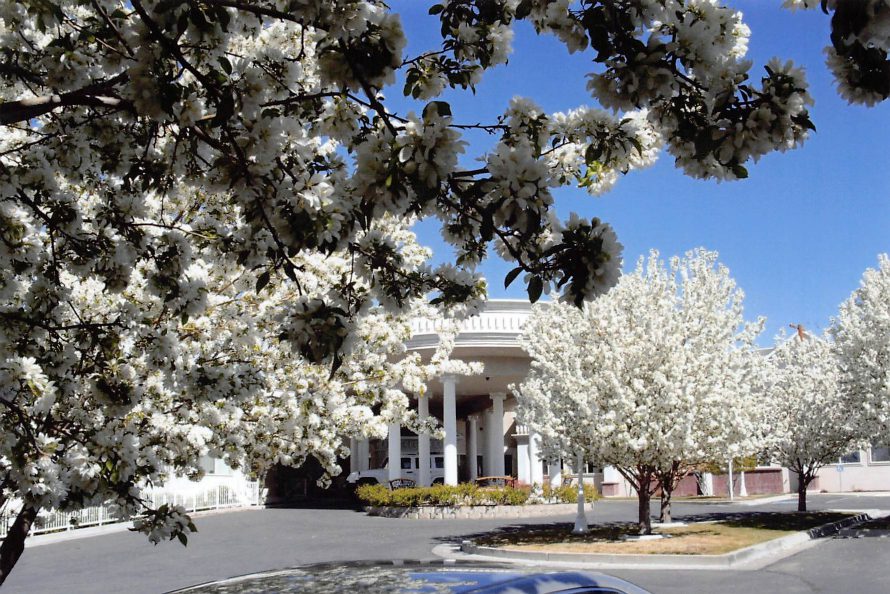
(235, 543)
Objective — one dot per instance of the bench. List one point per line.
(495, 481)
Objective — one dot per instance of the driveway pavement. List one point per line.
(241, 542)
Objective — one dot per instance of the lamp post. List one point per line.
(731, 498)
(580, 518)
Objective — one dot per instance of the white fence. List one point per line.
(216, 497)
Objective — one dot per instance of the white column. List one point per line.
(449, 421)
(554, 469)
(364, 459)
(488, 458)
(353, 455)
(423, 443)
(523, 470)
(707, 484)
(472, 447)
(497, 433)
(394, 443)
(743, 490)
(536, 476)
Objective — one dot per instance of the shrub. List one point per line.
(569, 493)
(373, 494)
(442, 495)
(508, 495)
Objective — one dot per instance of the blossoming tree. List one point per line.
(653, 377)
(857, 56)
(811, 421)
(93, 417)
(158, 155)
(861, 335)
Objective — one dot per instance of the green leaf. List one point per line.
(262, 281)
(442, 108)
(290, 271)
(535, 288)
(436, 9)
(182, 538)
(225, 64)
(593, 153)
(523, 9)
(739, 171)
(511, 276)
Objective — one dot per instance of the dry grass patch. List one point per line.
(714, 534)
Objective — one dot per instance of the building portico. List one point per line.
(476, 412)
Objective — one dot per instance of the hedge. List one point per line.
(468, 494)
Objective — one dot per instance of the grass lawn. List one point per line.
(713, 534)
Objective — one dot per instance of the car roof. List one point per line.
(404, 577)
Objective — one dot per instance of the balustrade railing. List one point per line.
(221, 496)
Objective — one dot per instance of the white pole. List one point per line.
(743, 490)
(580, 518)
(730, 480)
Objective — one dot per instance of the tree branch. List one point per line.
(97, 95)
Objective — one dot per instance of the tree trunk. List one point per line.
(669, 480)
(665, 515)
(14, 543)
(645, 514)
(803, 482)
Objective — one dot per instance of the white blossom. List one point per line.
(655, 376)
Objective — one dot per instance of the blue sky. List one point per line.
(796, 235)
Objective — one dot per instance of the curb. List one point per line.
(854, 532)
(746, 502)
(751, 557)
(862, 533)
(473, 512)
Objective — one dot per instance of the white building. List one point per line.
(483, 439)
(477, 412)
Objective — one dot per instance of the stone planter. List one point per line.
(472, 512)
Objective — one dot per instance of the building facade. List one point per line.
(482, 437)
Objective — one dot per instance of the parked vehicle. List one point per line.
(412, 577)
(410, 468)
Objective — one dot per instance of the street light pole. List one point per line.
(580, 518)
(731, 498)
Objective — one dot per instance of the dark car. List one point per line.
(416, 577)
